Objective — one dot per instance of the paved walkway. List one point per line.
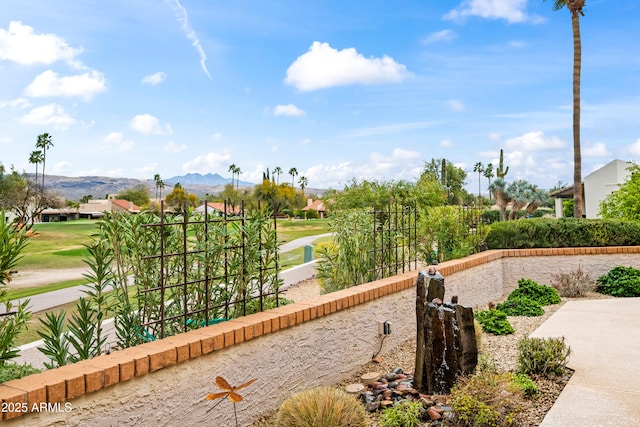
(604, 336)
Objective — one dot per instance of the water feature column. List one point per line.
(445, 340)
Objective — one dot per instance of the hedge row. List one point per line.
(562, 233)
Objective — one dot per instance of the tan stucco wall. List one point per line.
(316, 342)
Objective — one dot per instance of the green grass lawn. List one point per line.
(289, 230)
(57, 245)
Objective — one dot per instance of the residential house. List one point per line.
(316, 205)
(595, 187)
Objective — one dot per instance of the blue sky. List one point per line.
(337, 89)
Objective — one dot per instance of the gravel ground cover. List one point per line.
(503, 350)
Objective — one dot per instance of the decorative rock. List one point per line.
(373, 406)
(386, 403)
(433, 414)
(370, 377)
(397, 371)
(354, 388)
(391, 376)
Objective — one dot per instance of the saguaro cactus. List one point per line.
(501, 172)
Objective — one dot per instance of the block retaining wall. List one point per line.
(316, 342)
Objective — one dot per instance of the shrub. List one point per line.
(526, 384)
(486, 364)
(12, 371)
(544, 356)
(494, 322)
(543, 295)
(323, 406)
(485, 399)
(620, 282)
(403, 414)
(561, 233)
(574, 284)
(520, 306)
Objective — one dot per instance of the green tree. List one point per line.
(138, 194)
(180, 197)
(575, 7)
(519, 192)
(452, 177)
(45, 141)
(624, 203)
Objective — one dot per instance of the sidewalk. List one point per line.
(604, 336)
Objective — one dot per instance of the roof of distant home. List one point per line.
(317, 205)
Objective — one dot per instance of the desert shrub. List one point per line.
(312, 214)
(486, 364)
(485, 399)
(561, 233)
(494, 322)
(542, 294)
(620, 282)
(526, 384)
(520, 306)
(12, 371)
(544, 356)
(403, 414)
(573, 284)
(323, 406)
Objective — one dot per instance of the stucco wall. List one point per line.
(291, 348)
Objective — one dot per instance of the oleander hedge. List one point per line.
(562, 233)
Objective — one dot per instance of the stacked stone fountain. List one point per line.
(445, 343)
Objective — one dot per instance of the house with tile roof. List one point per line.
(316, 205)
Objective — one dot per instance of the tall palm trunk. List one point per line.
(575, 7)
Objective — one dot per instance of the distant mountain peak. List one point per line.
(208, 179)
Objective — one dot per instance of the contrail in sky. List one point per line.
(181, 15)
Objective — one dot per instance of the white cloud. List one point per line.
(323, 66)
(62, 168)
(513, 11)
(387, 129)
(446, 143)
(598, 149)
(440, 36)
(287, 110)
(183, 18)
(15, 103)
(115, 140)
(51, 114)
(534, 141)
(155, 78)
(402, 154)
(207, 163)
(84, 85)
(20, 44)
(5, 139)
(635, 148)
(305, 141)
(148, 124)
(455, 105)
(172, 147)
(216, 137)
(495, 136)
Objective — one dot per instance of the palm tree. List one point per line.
(303, 181)
(157, 180)
(232, 169)
(277, 171)
(36, 158)
(44, 142)
(488, 173)
(498, 188)
(520, 192)
(479, 167)
(576, 9)
(238, 172)
(293, 172)
(538, 198)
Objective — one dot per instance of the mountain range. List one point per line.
(74, 188)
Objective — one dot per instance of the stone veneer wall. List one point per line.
(291, 348)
